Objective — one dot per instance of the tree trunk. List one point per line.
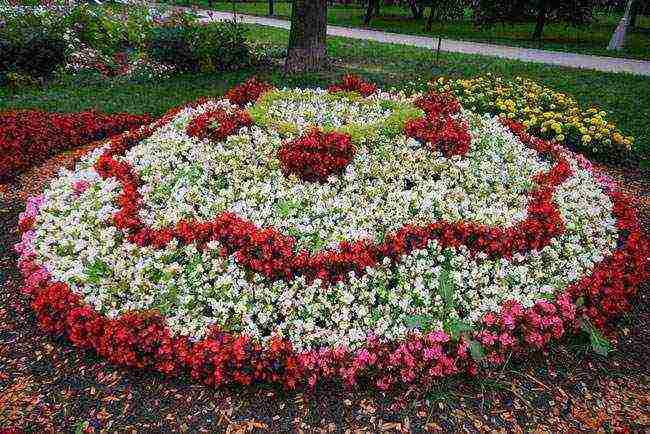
(415, 10)
(541, 20)
(429, 25)
(634, 13)
(370, 11)
(307, 49)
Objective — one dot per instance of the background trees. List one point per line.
(570, 12)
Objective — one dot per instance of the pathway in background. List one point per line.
(558, 58)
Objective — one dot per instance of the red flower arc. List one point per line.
(271, 253)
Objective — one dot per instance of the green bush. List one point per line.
(205, 48)
(37, 53)
(170, 45)
(220, 47)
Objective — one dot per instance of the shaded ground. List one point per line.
(47, 385)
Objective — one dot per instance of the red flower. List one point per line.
(316, 155)
(438, 104)
(218, 125)
(248, 92)
(28, 137)
(444, 134)
(353, 83)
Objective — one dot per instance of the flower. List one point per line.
(203, 257)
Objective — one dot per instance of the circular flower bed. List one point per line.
(347, 234)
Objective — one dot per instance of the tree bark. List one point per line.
(429, 25)
(634, 13)
(370, 11)
(415, 10)
(307, 37)
(541, 20)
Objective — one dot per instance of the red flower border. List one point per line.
(27, 137)
(141, 339)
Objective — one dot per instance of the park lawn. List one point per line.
(388, 65)
(592, 40)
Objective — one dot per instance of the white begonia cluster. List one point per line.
(195, 179)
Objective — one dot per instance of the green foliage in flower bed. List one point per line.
(392, 125)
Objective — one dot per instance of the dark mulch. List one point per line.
(47, 385)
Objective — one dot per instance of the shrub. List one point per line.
(170, 45)
(215, 47)
(220, 47)
(37, 54)
(28, 137)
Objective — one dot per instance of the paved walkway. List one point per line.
(599, 63)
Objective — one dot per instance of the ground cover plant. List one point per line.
(398, 19)
(225, 241)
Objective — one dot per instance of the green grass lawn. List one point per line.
(592, 40)
(386, 64)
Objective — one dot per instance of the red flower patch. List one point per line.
(29, 137)
(316, 155)
(438, 104)
(442, 133)
(353, 83)
(438, 128)
(218, 125)
(248, 92)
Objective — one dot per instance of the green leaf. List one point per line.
(476, 350)
(287, 207)
(421, 322)
(446, 285)
(456, 328)
(599, 343)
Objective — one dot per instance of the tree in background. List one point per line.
(443, 10)
(307, 49)
(571, 12)
(372, 9)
